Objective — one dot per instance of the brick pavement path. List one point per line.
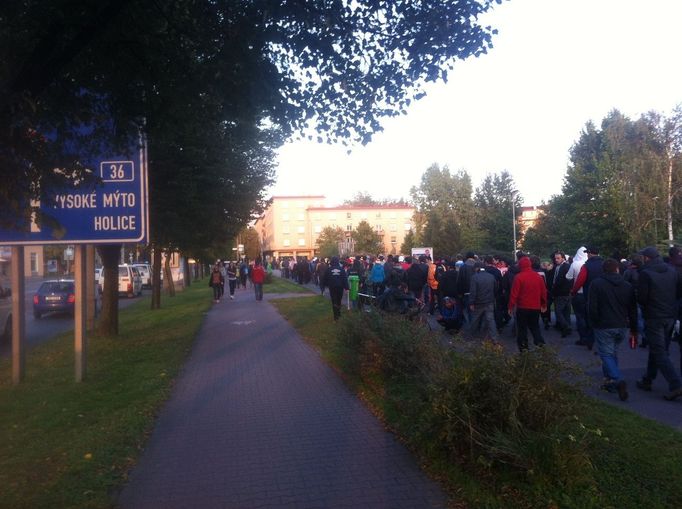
(256, 419)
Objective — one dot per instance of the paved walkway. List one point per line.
(256, 419)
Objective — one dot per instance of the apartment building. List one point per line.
(291, 224)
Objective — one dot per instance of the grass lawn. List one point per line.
(635, 462)
(65, 444)
(281, 285)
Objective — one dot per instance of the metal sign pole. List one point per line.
(80, 340)
(18, 318)
(90, 287)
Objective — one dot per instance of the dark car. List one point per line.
(54, 296)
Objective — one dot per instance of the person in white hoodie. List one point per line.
(579, 300)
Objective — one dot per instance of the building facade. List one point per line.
(291, 225)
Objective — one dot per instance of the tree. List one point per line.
(444, 201)
(215, 85)
(328, 241)
(408, 243)
(493, 200)
(367, 241)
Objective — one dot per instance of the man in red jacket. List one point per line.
(257, 278)
(529, 297)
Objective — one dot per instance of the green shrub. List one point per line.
(480, 406)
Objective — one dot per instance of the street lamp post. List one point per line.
(514, 225)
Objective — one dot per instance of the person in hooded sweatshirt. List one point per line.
(612, 310)
(529, 298)
(658, 289)
(336, 280)
(579, 298)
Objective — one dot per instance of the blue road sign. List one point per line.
(114, 211)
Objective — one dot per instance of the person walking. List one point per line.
(561, 293)
(658, 289)
(223, 274)
(258, 278)
(612, 310)
(243, 273)
(482, 290)
(528, 298)
(232, 278)
(591, 269)
(216, 282)
(336, 280)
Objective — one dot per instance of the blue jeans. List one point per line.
(608, 341)
(258, 287)
(658, 333)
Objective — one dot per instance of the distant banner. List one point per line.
(426, 251)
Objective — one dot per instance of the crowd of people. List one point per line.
(636, 301)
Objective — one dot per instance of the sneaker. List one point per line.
(231, 297)
(672, 396)
(622, 390)
(644, 384)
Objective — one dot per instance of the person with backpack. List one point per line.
(258, 278)
(216, 282)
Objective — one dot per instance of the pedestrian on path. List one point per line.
(611, 310)
(529, 298)
(482, 290)
(216, 282)
(658, 289)
(258, 278)
(232, 278)
(336, 280)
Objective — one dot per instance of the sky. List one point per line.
(554, 66)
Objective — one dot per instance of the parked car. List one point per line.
(145, 271)
(5, 314)
(129, 281)
(56, 295)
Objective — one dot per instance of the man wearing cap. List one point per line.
(658, 289)
(590, 271)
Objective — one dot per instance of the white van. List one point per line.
(145, 271)
(129, 281)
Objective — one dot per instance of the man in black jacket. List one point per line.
(560, 289)
(658, 289)
(612, 309)
(336, 280)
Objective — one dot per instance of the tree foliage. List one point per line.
(366, 240)
(328, 241)
(495, 215)
(444, 201)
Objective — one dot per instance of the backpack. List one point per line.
(215, 278)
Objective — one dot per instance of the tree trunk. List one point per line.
(168, 276)
(156, 278)
(108, 321)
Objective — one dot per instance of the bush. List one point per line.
(482, 407)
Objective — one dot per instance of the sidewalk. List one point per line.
(256, 419)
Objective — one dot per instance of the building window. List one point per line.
(394, 240)
(285, 228)
(301, 242)
(287, 242)
(301, 216)
(377, 227)
(408, 227)
(318, 228)
(34, 263)
(378, 215)
(347, 215)
(285, 217)
(301, 229)
(363, 215)
(349, 227)
(393, 227)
